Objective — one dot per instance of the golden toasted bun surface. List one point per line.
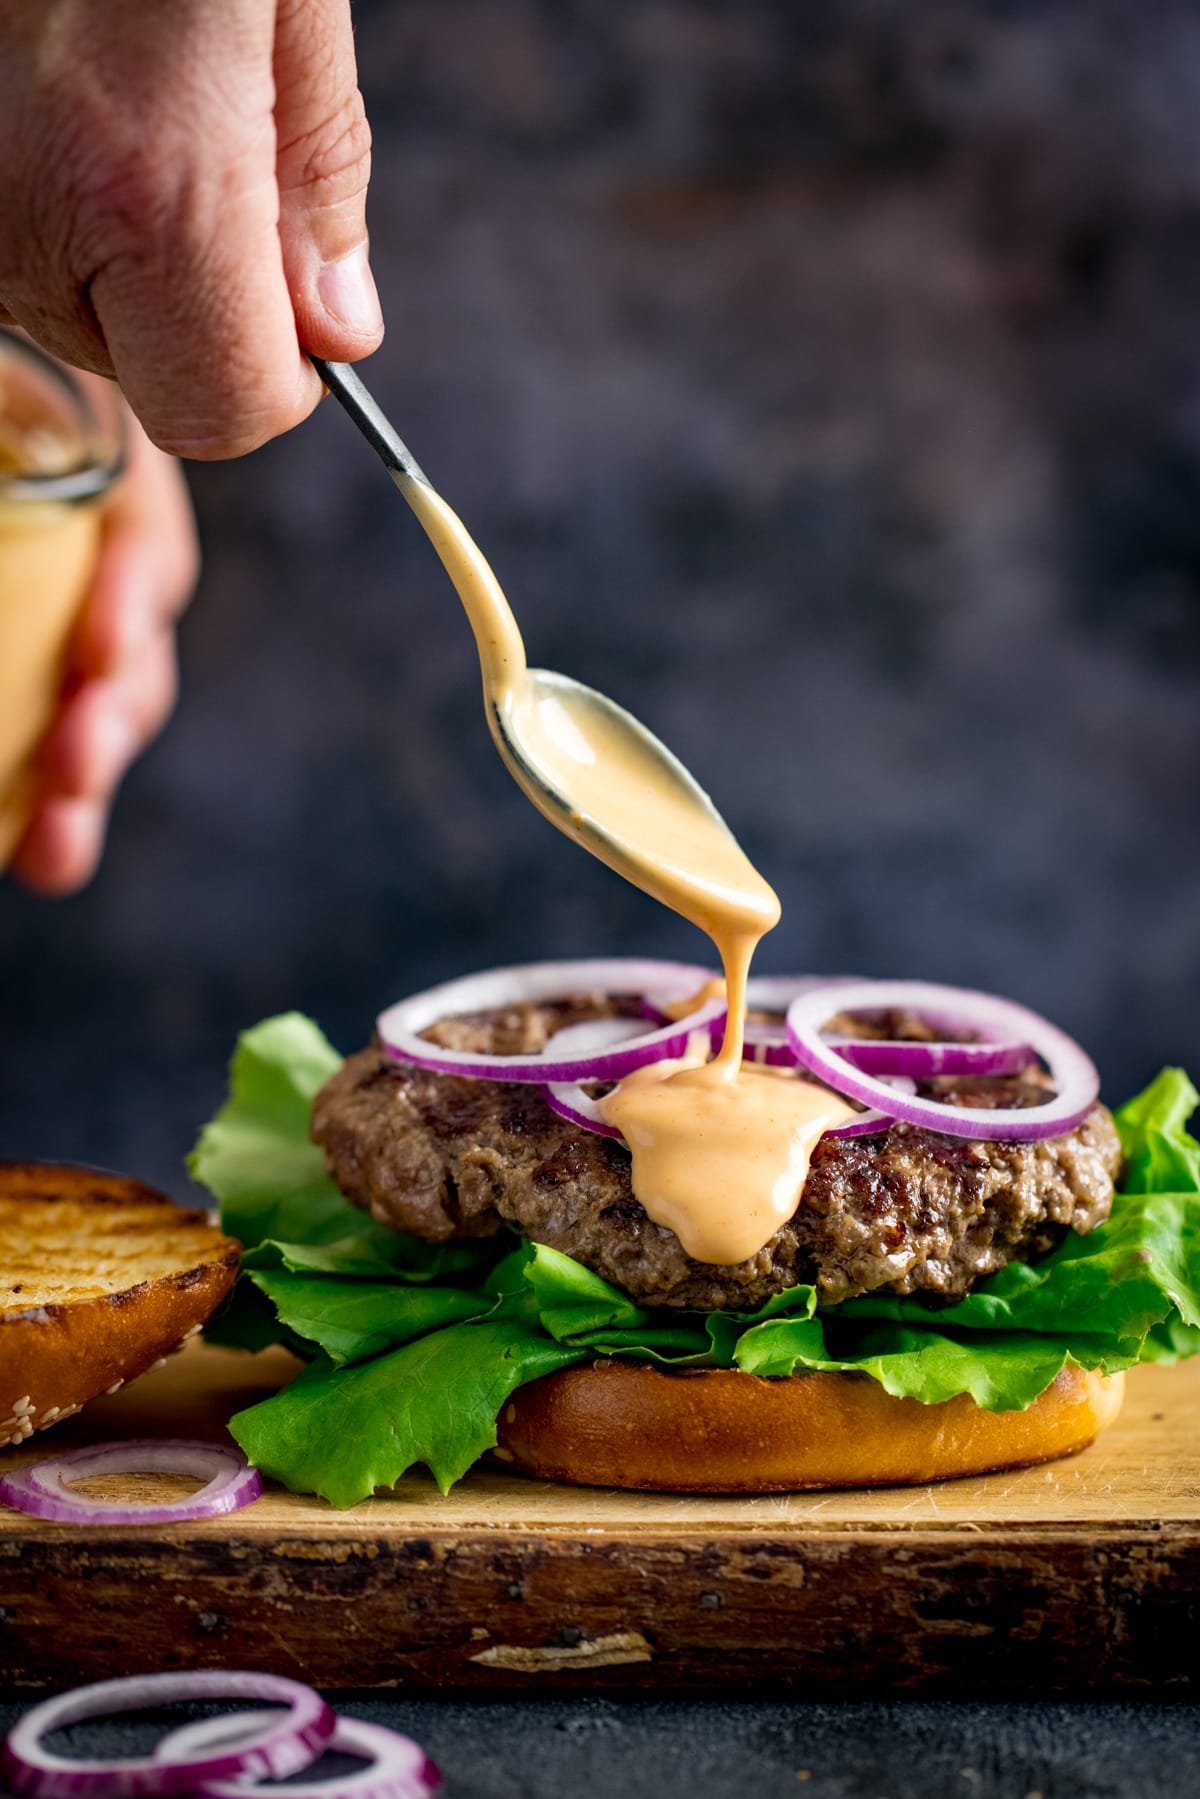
(99, 1278)
(623, 1424)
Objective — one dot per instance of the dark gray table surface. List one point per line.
(610, 1750)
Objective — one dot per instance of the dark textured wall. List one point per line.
(824, 382)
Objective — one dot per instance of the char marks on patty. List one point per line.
(906, 1211)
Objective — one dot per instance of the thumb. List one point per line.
(323, 164)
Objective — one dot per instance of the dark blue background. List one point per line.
(824, 383)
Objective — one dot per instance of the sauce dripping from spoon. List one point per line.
(720, 1148)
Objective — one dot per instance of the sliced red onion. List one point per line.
(291, 1741)
(775, 992)
(230, 1482)
(767, 1044)
(764, 993)
(396, 1767)
(866, 1124)
(950, 1010)
(569, 1100)
(591, 1037)
(542, 983)
(766, 1041)
(925, 1061)
(870, 1124)
(682, 983)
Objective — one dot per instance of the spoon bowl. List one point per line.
(598, 774)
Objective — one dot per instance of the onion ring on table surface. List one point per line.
(396, 1767)
(41, 1490)
(292, 1742)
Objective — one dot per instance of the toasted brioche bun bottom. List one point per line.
(623, 1424)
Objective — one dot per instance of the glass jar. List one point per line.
(61, 451)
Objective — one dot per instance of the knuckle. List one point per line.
(239, 416)
(334, 156)
(226, 397)
(222, 439)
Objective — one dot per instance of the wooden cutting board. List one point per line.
(1082, 1578)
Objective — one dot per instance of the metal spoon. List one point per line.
(588, 766)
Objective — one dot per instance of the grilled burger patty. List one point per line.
(907, 1211)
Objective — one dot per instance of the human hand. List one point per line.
(183, 204)
(120, 682)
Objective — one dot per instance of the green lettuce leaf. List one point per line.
(575, 1306)
(373, 1251)
(1001, 1370)
(1171, 1341)
(344, 1432)
(353, 1320)
(248, 1321)
(256, 1155)
(1160, 1156)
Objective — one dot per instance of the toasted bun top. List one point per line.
(100, 1276)
(625, 1424)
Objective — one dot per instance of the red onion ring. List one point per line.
(948, 1009)
(775, 992)
(870, 1124)
(292, 1741)
(541, 983)
(230, 1482)
(569, 1100)
(867, 1124)
(675, 989)
(925, 1061)
(397, 1768)
(766, 1043)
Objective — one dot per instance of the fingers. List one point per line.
(101, 728)
(140, 229)
(323, 165)
(96, 738)
(104, 724)
(122, 676)
(62, 847)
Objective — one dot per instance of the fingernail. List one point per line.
(347, 290)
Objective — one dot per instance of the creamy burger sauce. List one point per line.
(720, 1148)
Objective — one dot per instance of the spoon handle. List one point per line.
(345, 386)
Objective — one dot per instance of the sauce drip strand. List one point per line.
(720, 1148)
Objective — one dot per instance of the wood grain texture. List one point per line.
(1078, 1578)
